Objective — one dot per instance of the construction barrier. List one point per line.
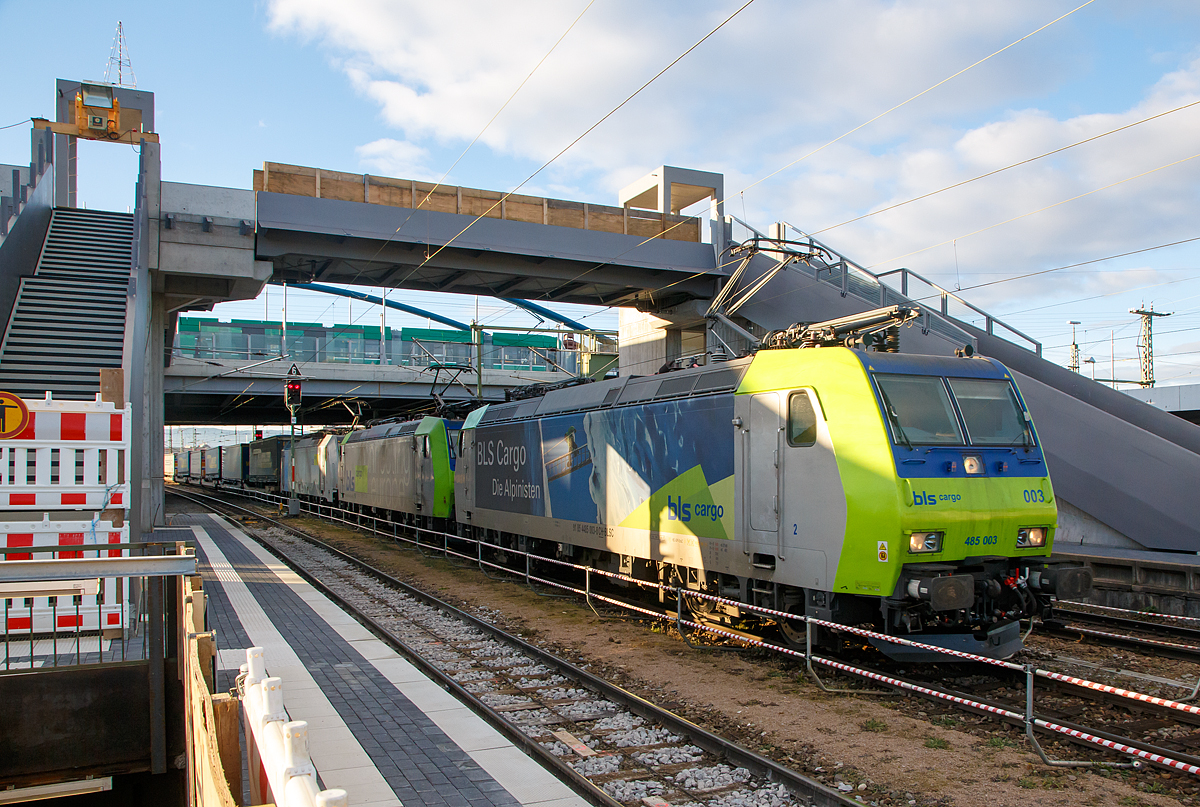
(79, 605)
(214, 756)
(281, 771)
(70, 455)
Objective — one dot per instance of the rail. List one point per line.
(1030, 672)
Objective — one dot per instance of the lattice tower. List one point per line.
(118, 58)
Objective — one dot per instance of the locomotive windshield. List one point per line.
(920, 410)
(991, 411)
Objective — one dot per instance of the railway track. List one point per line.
(611, 745)
(1059, 700)
(1169, 640)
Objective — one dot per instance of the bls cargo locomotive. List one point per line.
(905, 493)
(908, 493)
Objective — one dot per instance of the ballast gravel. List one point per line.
(584, 710)
(533, 716)
(622, 721)
(537, 683)
(643, 736)
(767, 796)
(562, 694)
(598, 766)
(670, 756)
(636, 790)
(714, 778)
(499, 699)
(472, 676)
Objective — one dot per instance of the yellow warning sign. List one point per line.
(882, 548)
(14, 415)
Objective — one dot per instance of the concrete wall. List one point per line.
(20, 250)
(202, 262)
(1182, 398)
(643, 342)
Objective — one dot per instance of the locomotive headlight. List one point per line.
(973, 464)
(925, 542)
(1029, 537)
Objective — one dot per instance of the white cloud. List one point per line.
(778, 82)
(397, 158)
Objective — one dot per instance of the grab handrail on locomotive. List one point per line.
(902, 492)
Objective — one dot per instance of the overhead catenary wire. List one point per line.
(584, 134)
(545, 295)
(1033, 212)
(482, 131)
(1010, 166)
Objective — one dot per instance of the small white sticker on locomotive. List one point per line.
(883, 552)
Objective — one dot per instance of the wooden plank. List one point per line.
(531, 212)
(517, 707)
(395, 193)
(345, 190)
(206, 649)
(565, 214)
(305, 181)
(644, 228)
(572, 742)
(228, 734)
(606, 222)
(295, 184)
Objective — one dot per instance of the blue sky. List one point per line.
(400, 88)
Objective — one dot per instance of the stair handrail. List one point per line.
(945, 295)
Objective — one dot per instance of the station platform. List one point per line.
(377, 726)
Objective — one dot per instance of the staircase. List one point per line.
(68, 321)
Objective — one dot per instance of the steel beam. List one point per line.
(24, 571)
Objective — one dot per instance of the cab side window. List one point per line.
(802, 420)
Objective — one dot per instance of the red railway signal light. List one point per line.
(291, 394)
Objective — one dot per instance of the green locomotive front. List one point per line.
(905, 493)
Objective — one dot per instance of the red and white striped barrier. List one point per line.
(27, 608)
(1122, 693)
(1113, 608)
(1121, 748)
(70, 455)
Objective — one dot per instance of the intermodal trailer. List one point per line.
(212, 466)
(264, 463)
(233, 465)
(316, 467)
(195, 465)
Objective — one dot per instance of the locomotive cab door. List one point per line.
(812, 501)
(424, 486)
(762, 480)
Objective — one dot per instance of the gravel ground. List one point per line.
(902, 751)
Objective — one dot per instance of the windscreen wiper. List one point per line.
(892, 416)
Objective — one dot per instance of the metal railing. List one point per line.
(869, 287)
(851, 279)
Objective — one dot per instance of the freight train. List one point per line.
(905, 493)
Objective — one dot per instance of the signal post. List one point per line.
(291, 399)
